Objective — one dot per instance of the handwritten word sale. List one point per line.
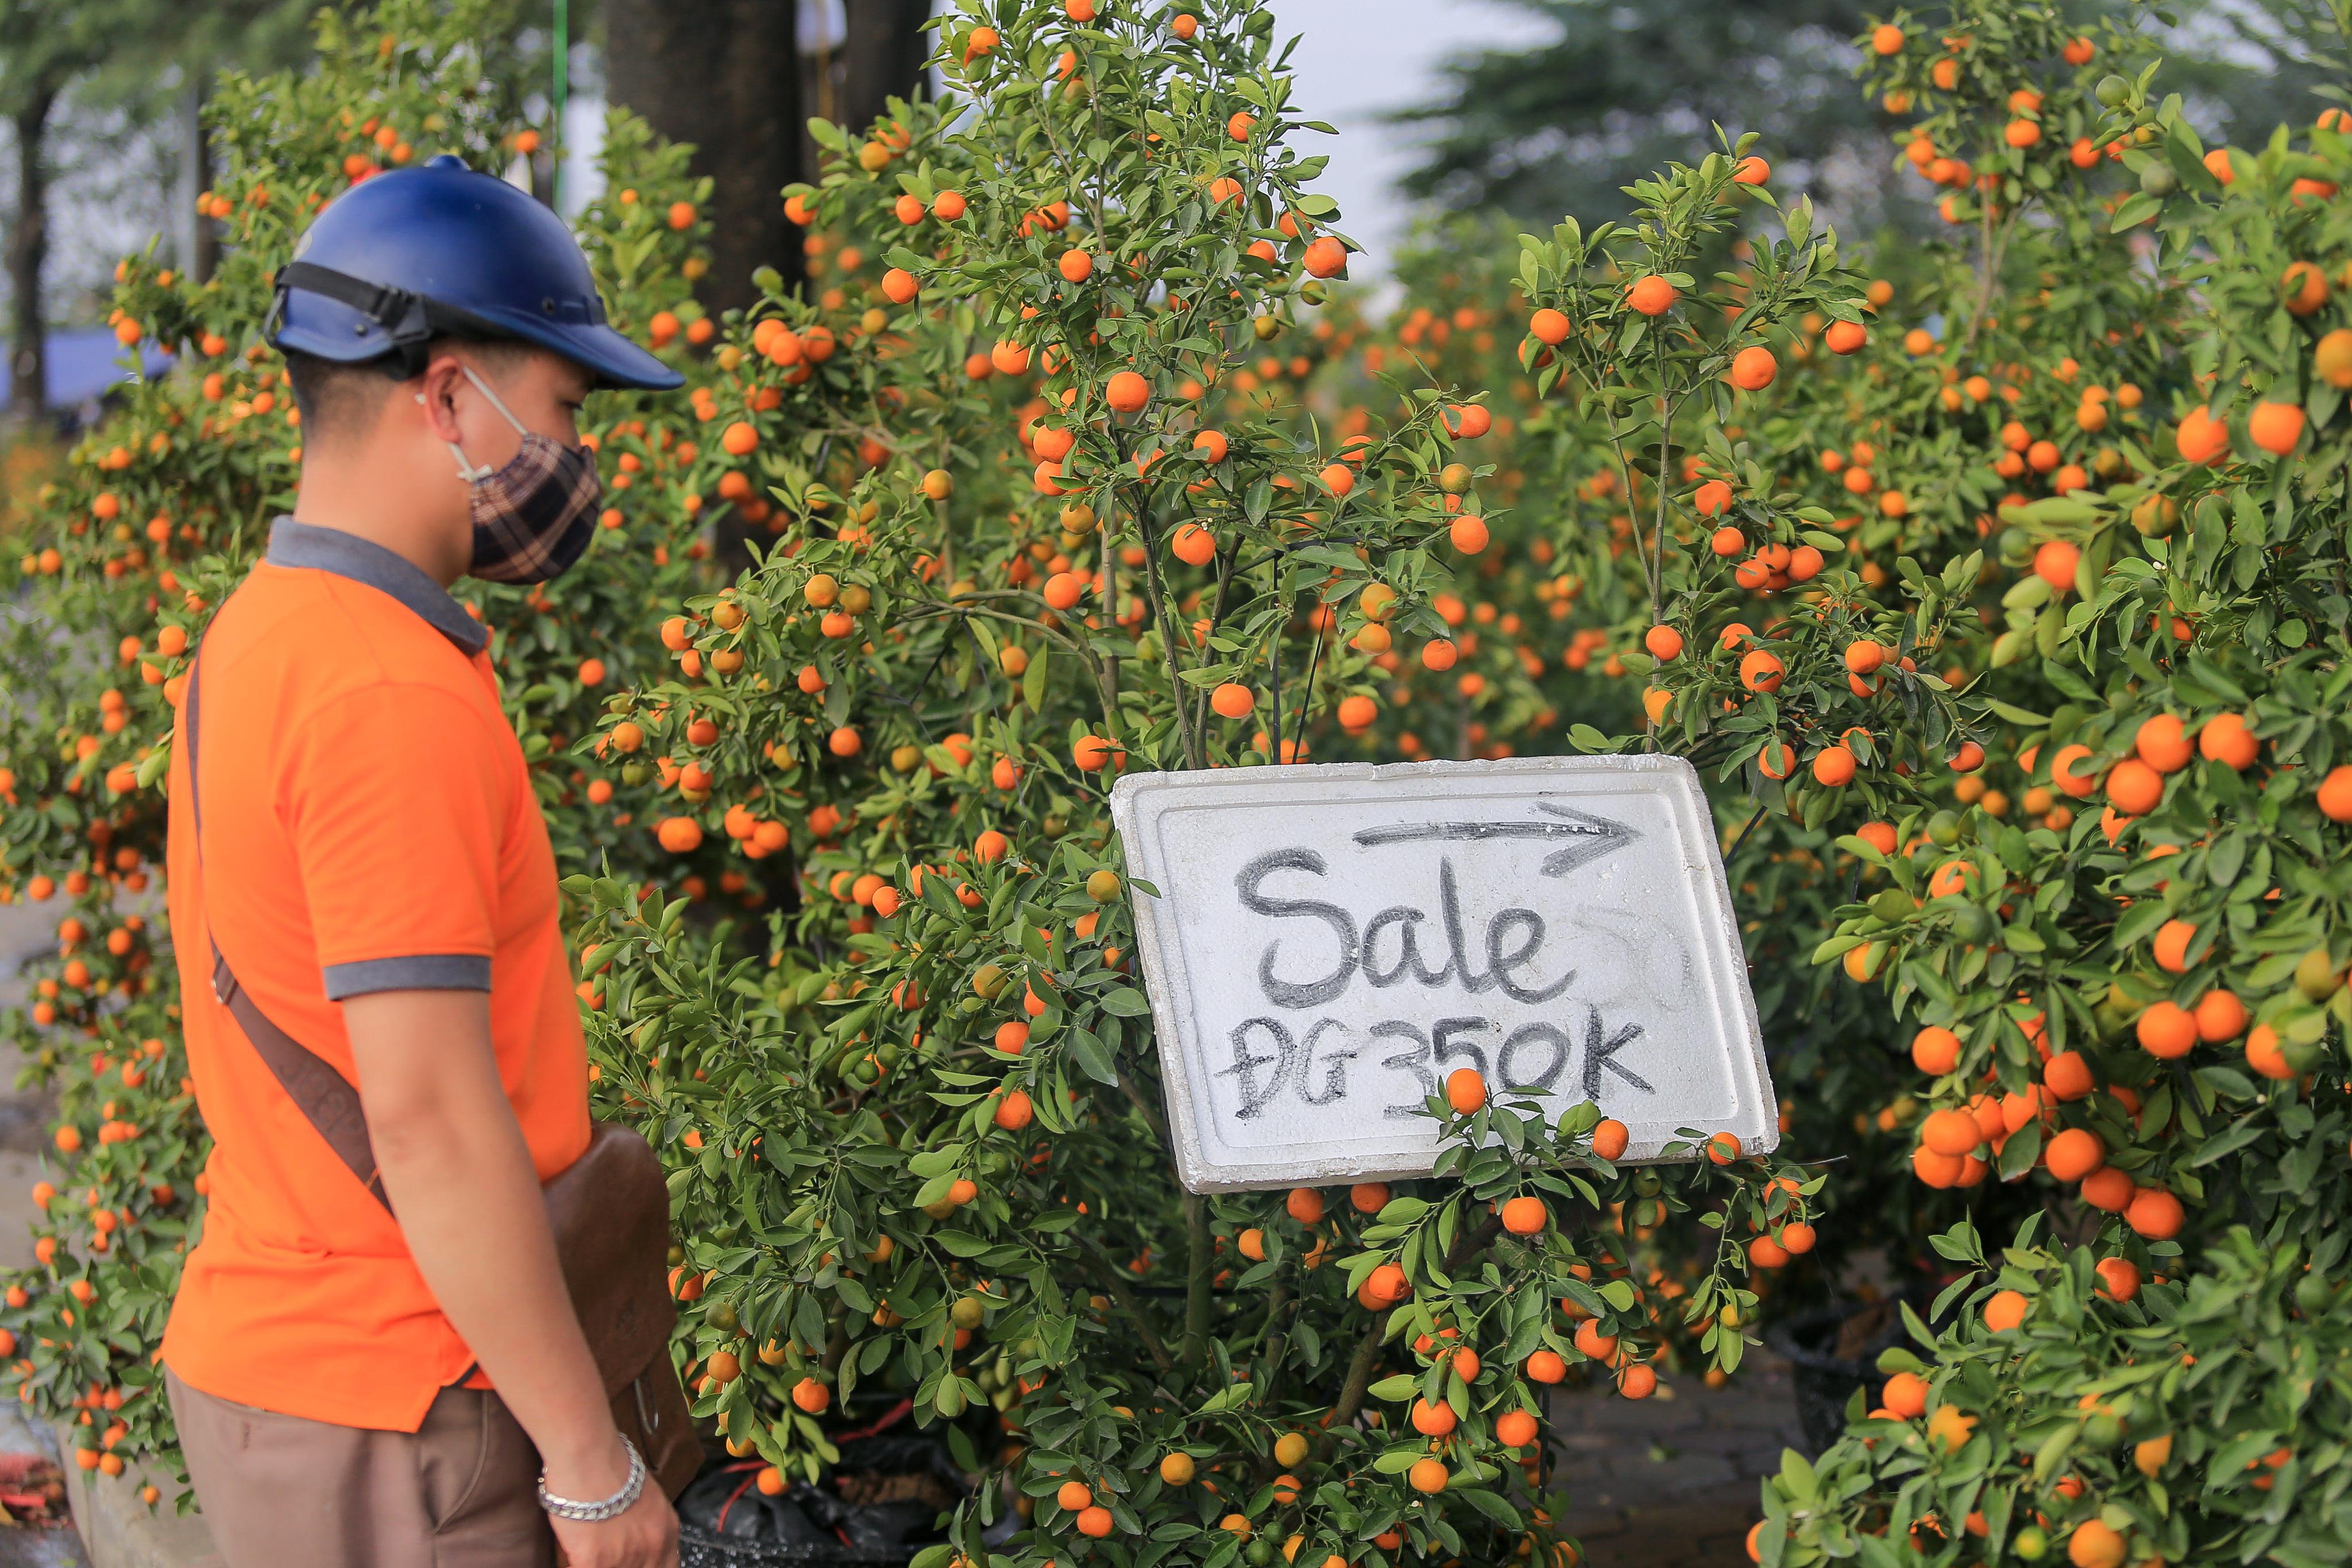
(1402, 945)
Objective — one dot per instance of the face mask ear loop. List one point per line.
(472, 474)
(495, 402)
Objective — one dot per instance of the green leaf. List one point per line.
(2211, 677)
(2053, 1451)
(1032, 679)
(2136, 209)
(961, 1243)
(2060, 509)
(1227, 1398)
(1094, 1058)
(2227, 1142)
(936, 1161)
(1797, 1476)
(1488, 1503)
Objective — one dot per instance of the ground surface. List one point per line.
(1671, 1482)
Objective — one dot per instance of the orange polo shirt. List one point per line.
(369, 826)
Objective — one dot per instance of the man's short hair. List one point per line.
(340, 400)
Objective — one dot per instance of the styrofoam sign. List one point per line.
(1328, 943)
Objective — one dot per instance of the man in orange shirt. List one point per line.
(381, 1367)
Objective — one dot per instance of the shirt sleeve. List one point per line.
(393, 802)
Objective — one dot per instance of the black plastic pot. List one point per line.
(1825, 1381)
(876, 1510)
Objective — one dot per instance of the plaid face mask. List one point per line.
(533, 517)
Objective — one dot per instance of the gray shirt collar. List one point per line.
(302, 544)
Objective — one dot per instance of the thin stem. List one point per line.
(1151, 1118)
(1306, 703)
(1186, 732)
(1128, 1302)
(1281, 629)
(1992, 251)
(1217, 615)
(939, 511)
(1269, 1361)
(1200, 1266)
(1104, 687)
(1657, 562)
(1469, 1243)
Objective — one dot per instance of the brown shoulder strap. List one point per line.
(321, 1093)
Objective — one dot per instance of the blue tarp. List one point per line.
(83, 363)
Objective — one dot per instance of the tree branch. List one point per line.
(1468, 1244)
(1139, 508)
(1128, 1302)
(1359, 1375)
(1199, 1264)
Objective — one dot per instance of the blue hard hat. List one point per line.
(414, 252)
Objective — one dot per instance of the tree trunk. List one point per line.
(725, 76)
(197, 246)
(29, 247)
(883, 52)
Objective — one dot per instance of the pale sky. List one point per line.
(1355, 59)
(1359, 57)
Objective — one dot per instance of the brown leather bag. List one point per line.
(609, 1210)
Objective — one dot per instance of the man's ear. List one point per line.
(435, 391)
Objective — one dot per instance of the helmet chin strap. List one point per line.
(474, 473)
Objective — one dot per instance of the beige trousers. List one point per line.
(278, 1491)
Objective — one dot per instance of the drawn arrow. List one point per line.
(1589, 837)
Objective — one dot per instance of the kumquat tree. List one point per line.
(1095, 529)
(160, 511)
(2118, 568)
(1996, 585)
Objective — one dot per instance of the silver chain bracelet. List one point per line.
(613, 1507)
